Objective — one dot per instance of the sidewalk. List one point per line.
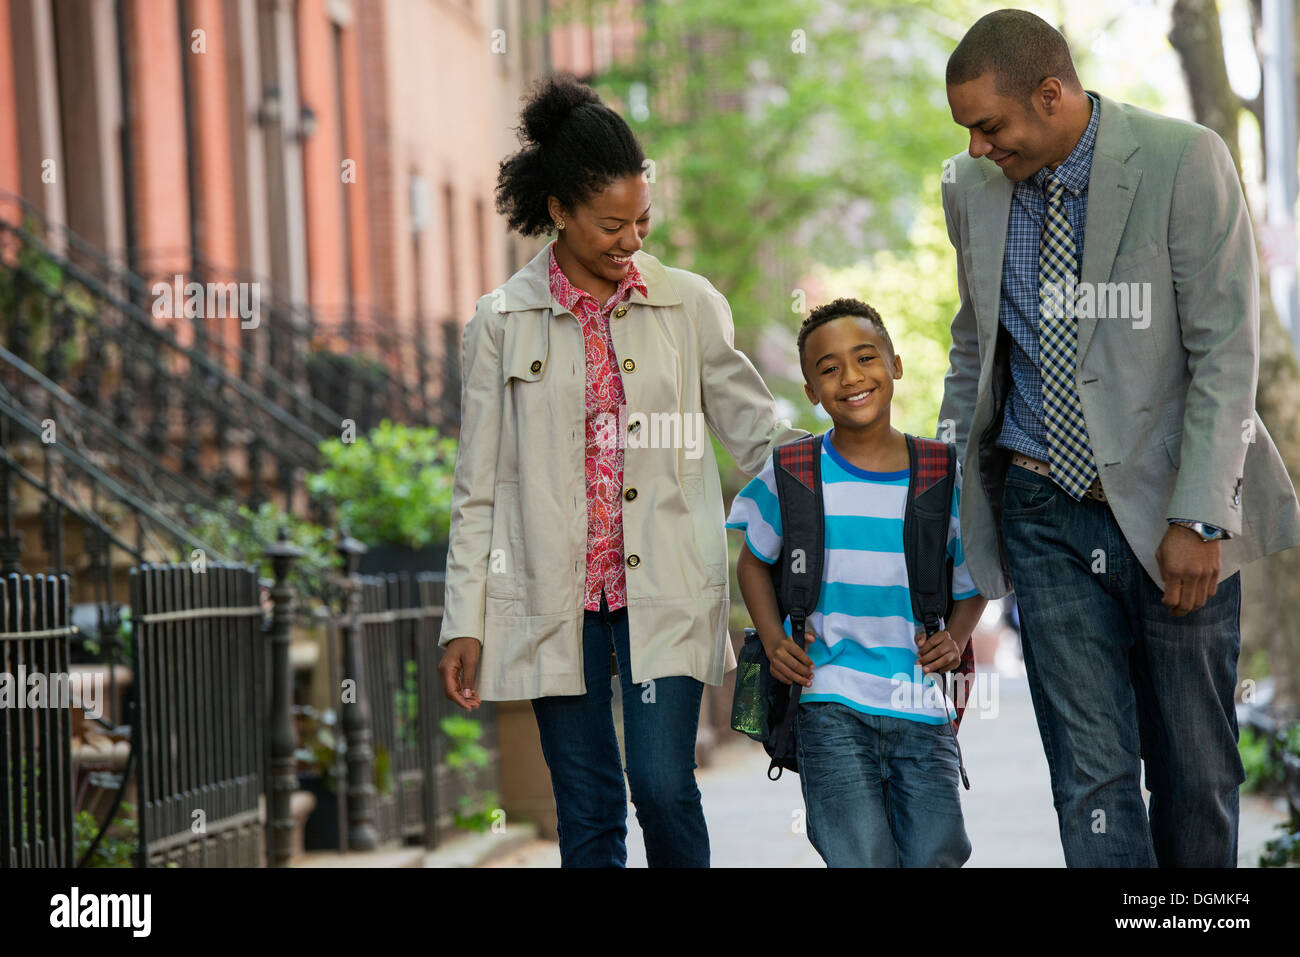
(1009, 813)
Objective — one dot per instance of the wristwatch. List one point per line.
(1208, 533)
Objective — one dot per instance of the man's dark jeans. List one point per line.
(660, 721)
(1115, 680)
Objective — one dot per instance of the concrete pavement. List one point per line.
(1009, 813)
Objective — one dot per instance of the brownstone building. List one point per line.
(340, 154)
(342, 151)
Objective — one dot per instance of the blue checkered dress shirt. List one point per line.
(1022, 422)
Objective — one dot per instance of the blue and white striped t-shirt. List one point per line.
(865, 653)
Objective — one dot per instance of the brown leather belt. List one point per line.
(1094, 492)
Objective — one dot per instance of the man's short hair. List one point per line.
(1020, 49)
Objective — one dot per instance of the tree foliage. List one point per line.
(785, 134)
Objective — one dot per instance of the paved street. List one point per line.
(1009, 814)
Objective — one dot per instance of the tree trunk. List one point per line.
(1195, 35)
(1270, 588)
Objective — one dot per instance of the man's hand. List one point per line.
(1190, 567)
(788, 663)
(458, 668)
(938, 653)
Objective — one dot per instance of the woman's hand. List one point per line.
(458, 668)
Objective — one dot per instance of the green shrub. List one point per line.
(117, 848)
(1263, 768)
(1283, 850)
(391, 486)
(466, 758)
(309, 575)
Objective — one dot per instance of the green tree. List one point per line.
(1270, 588)
(915, 291)
(784, 134)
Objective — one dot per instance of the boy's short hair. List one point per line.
(836, 310)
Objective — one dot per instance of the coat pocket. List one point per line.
(1174, 446)
(505, 555)
(710, 538)
(1127, 261)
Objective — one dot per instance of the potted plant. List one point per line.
(319, 764)
(392, 490)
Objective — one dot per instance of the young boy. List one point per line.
(877, 758)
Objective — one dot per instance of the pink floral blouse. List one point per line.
(604, 464)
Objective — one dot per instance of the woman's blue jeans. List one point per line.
(1118, 682)
(660, 721)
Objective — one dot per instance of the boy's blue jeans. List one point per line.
(1116, 680)
(660, 721)
(880, 791)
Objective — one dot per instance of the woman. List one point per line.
(586, 511)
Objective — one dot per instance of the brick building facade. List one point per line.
(344, 151)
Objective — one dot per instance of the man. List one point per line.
(1103, 368)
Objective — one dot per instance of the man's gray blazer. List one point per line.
(1170, 407)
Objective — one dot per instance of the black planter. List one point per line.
(321, 831)
(384, 558)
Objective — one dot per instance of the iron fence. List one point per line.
(201, 714)
(401, 786)
(36, 801)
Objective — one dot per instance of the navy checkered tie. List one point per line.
(1058, 332)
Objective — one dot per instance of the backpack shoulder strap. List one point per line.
(926, 519)
(798, 574)
(925, 546)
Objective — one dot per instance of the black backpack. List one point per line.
(763, 707)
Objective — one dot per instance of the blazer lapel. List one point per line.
(1112, 184)
(988, 208)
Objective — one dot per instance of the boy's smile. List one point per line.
(850, 372)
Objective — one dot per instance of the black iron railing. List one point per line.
(201, 714)
(36, 800)
(207, 408)
(360, 360)
(120, 418)
(400, 787)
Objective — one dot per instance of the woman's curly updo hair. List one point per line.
(573, 147)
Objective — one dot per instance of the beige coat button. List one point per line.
(630, 495)
(620, 312)
(629, 365)
(633, 561)
(536, 366)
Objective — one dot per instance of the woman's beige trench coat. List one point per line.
(517, 559)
